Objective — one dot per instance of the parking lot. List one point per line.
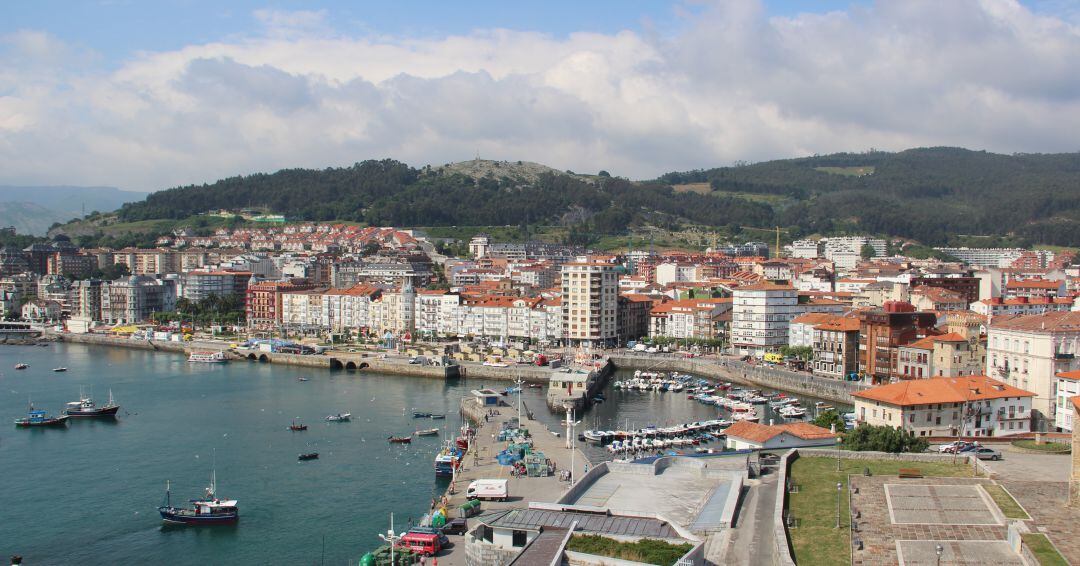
(1025, 465)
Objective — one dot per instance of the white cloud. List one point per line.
(733, 84)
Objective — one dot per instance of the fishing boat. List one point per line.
(206, 511)
(208, 357)
(400, 439)
(448, 460)
(297, 426)
(340, 417)
(40, 418)
(21, 366)
(308, 456)
(86, 408)
(59, 369)
(427, 432)
(301, 379)
(421, 415)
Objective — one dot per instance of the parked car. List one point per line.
(455, 527)
(954, 446)
(987, 454)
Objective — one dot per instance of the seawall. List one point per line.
(746, 374)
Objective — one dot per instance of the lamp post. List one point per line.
(571, 440)
(839, 487)
(391, 538)
(939, 549)
(839, 439)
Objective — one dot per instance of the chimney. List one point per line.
(771, 422)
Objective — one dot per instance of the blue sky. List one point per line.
(118, 28)
(145, 95)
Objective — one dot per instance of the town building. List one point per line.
(633, 316)
(41, 310)
(197, 286)
(928, 298)
(746, 435)
(998, 306)
(883, 331)
(688, 319)
(590, 302)
(1030, 351)
(973, 405)
(761, 315)
(133, 299)
(1067, 388)
(262, 301)
(836, 348)
(801, 328)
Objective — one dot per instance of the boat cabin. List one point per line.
(214, 507)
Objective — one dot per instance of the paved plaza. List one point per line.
(941, 505)
(956, 552)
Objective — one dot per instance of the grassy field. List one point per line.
(817, 540)
(1044, 551)
(1006, 503)
(847, 171)
(700, 188)
(1051, 447)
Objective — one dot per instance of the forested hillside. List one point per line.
(931, 194)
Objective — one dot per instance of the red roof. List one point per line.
(941, 390)
(761, 433)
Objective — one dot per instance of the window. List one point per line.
(911, 418)
(519, 538)
(489, 533)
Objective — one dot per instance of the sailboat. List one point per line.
(206, 511)
(85, 407)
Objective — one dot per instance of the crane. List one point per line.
(776, 250)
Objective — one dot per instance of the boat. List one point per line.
(308, 456)
(208, 357)
(427, 432)
(400, 439)
(59, 369)
(448, 460)
(40, 418)
(340, 417)
(294, 426)
(85, 408)
(421, 415)
(792, 412)
(301, 379)
(21, 366)
(436, 417)
(206, 511)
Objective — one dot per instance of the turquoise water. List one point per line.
(89, 493)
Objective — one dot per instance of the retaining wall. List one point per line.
(740, 372)
(780, 534)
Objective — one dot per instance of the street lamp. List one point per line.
(839, 487)
(391, 538)
(571, 440)
(839, 439)
(939, 549)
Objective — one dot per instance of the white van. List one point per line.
(497, 490)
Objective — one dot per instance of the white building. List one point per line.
(846, 252)
(760, 317)
(801, 328)
(671, 272)
(1067, 386)
(805, 249)
(973, 405)
(1030, 351)
(590, 299)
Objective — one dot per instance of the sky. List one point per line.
(151, 95)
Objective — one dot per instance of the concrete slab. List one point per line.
(676, 493)
(956, 552)
(915, 504)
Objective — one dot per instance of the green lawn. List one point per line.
(1052, 447)
(816, 540)
(1006, 503)
(1044, 551)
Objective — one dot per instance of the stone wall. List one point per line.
(480, 553)
(739, 372)
(780, 534)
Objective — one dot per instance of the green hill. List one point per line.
(933, 195)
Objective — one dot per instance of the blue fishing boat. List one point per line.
(448, 460)
(206, 511)
(40, 418)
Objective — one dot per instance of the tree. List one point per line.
(830, 419)
(868, 251)
(883, 439)
(603, 173)
(804, 353)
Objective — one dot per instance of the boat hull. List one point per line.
(93, 413)
(52, 422)
(176, 517)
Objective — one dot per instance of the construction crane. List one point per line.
(776, 250)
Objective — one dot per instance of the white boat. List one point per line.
(791, 412)
(339, 417)
(59, 369)
(208, 357)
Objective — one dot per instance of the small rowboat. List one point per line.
(296, 426)
(21, 366)
(427, 432)
(58, 370)
(400, 439)
(301, 379)
(340, 417)
(308, 456)
(437, 417)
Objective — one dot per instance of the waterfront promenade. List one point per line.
(480, 463)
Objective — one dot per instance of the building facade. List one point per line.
(590, 303)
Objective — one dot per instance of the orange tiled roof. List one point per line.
(761, 433)
(840, 324)
(1058, 321)
(813, 318)
(942, 390)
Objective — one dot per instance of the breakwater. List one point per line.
(746, 374)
